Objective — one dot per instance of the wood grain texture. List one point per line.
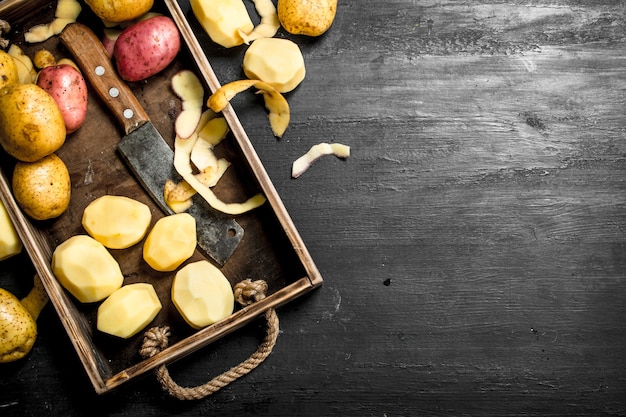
(472, 247)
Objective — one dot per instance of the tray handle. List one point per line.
(156, 339)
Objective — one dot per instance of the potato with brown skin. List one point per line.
(42, 188)
(31, 123)
(8, 70)
(67, 87)
(117, 11)
(307, 17)
(18, 327)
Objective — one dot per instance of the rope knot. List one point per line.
(155, 340)
(247, 291)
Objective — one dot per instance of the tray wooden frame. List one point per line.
(40, 250)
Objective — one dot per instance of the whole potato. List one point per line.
(31, 123)
(42, 188)
(18, 329)
(306, 17)
(8, 69)
(118, 11)
(146, 48)
(67, 87)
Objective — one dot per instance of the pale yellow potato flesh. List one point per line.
(223, 20)
(303, 163)
(26, 72)
(202, 294)
(189, 89)
(202, 181)
(269, 24)
(67, 12)
(10, 242)
(171, 242)
(116, 221)
(86, 269)
(276, 61)
(128, 310)
(182, 164)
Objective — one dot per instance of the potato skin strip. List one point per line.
(187, 86)
(303, 163)
(182, 164)
(269, 24)
(276, 104)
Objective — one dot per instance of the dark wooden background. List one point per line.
(473, 245)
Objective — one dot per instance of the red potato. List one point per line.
(146, 48)
(67, 87)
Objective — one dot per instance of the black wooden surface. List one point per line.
(473, 245)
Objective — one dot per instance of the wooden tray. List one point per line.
(271, 248)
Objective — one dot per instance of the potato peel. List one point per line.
(303, 163)
(269, 24)
(67, 12)
(182, 164)
(279, 112)
(187, 86)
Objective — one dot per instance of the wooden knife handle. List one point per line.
(94, 62)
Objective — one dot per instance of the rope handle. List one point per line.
(156, 339)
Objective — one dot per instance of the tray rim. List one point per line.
(40, 252)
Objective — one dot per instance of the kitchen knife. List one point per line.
(143, 148)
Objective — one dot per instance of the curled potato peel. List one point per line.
(303, 163)
(269, 24)
(201, 182)
(276, 104)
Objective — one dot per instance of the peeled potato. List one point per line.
(128, 310)
(171, 242)
(223, 20)
(306, 17)
(278, 62)
(116, 221)
(42, 188)
(86, 269)
(202, 294)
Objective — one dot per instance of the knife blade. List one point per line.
(143, 148)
